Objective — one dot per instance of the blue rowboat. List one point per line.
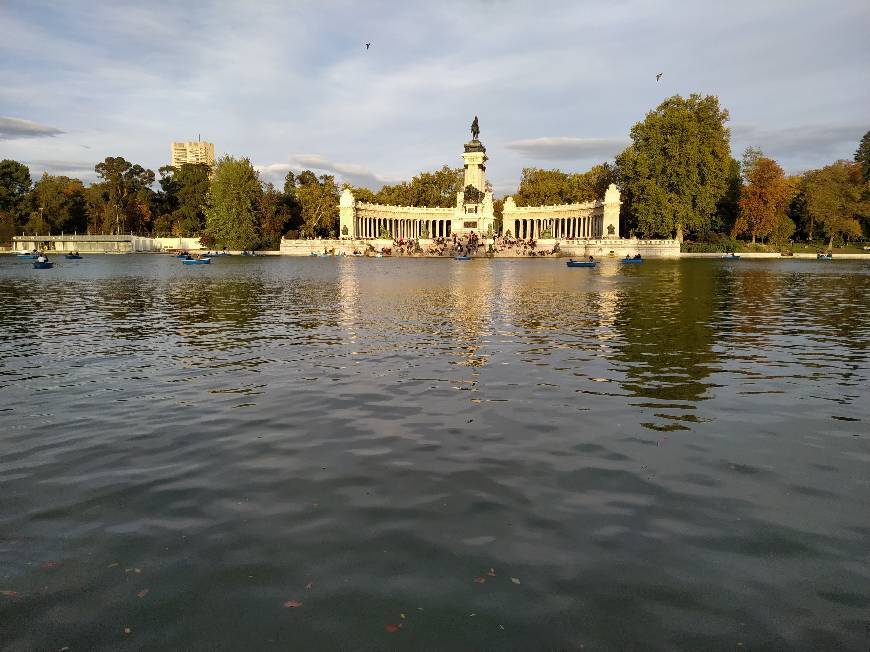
(39, 265)
(463, 258)
(731, 257)
(72, 257)
(183, 254)
(631, 260)
(28, 256)
(196, 261)
(581, 263)
(824, 256)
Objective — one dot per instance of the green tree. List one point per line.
(728, 206)
(548, 187)
(318, 198)
(58, 205)
(182, 199)
(128, 193)
(291, 202)
(360, 193)
(592, 184)
(232, 204)
(676, 170)
(434, 189)
(15, 184)
(544, 188)
(274, 217)
(836, 198)
(862, 156)
(798, 212)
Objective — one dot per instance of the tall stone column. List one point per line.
(346, 211)
(610, 221)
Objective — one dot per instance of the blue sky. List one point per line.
(291, 86)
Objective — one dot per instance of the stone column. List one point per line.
(346, 212)
(610, 219)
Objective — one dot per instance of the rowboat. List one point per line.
(42, 265)
(730, 257)
(631, 260)
(196, 261)
(581, 263)
(824, 256)
(72, 256)
(462, 258)
(28, 256)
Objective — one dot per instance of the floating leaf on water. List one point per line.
(471, 615)
(491, 572)
(113, 564)
(403, 616)
(142, 593)
(480, 580)
(392, 628)
(515, 580)
(292, 604)
(128, 631)
(501, 627)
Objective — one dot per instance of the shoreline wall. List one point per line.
(599, 248)
(112, 244)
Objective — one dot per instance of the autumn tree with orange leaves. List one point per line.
(764, 197)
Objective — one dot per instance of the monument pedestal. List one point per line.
(474, 211)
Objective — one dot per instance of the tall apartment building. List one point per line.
(194, 151)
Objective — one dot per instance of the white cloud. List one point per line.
(566, 148)
(358, 175)
(803, 143)
(17, 128)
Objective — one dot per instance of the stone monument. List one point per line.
(474, 210)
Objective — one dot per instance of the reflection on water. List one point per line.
(662, 456)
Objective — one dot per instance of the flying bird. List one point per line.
(659, 76)
(368, 45)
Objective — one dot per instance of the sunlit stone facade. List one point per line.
(587, 220)
(473, 212)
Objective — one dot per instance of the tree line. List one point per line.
(678, 179)
(227, 205)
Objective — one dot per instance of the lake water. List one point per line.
(501, 455)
